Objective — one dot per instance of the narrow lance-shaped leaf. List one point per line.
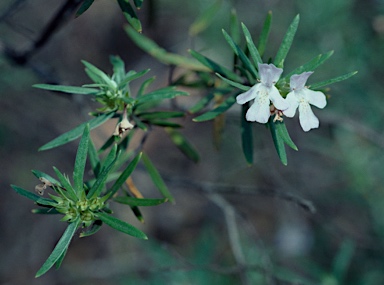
(264, 34)
(244, 59)
(234, 27)
(97, 187)
(278, 141)
(215, 66)
(333, 80)
(70, 192)
(130, 14)
(76, 132)
(156, 178)
(286, 43)
(131, 77)
(67, 89)
(183, 144)
(201, 103)
(61, 259)
(118, 68)
(142, 202)
(32, 196)
(124, 176)
(234, 84)
(96, 226)
(246, 136)
(217, 111)
(100, 74)
(205, 19)
(161, 94)
(81, 158)
(160, 115)
(60, 248)
(161, 54)
(255, 55)
(283, 133)
(40, 174)
(138, 3)
(84, 7)
(93, 158)
(121, 225)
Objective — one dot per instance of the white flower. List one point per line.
(263, 93)
(301, 97)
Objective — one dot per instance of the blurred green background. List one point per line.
(338, 167)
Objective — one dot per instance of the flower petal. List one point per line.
(248, 95)
(291, 99)
(276, 99)
(298, 81)
(259, 111)
(308, 120)
(316, 98)
(269, 74)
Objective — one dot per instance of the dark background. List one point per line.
(338, 167)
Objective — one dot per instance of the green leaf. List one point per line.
(138, 3)
(310, 65)
(96, 226)
(160, 115)
(161, 94)
(246, 136)
(93, 158)
(124, 176)
(243, 58)
(234, 84)
(217, 111)
(100, 75)
(32, 196)
(161, 54)
(60, 248)
(278, 141)
(283, 133)
(183, 144)
(68, 89)
(139, 201)
(81, 158)
(343, 260)
(61, 259)
(205, 19)
(144, 86)
(165, 124)
(130, 14)
(156, 178)
(76, 132)
(201, 103)
(84, 7)
(46, 211)
(234, 27)
(255, 55)
(214, 66)
(286, 43)
(118, 68)
(121, 226)
(70, 192)
(333, 80)
(129, 78)
(110, 161)
(265, 34)
(40, 174)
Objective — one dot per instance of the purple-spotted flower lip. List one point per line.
(263, 93)
(302, 97)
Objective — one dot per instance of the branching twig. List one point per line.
(221, 188)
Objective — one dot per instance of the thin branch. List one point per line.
(221, 188)
(233, 234)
